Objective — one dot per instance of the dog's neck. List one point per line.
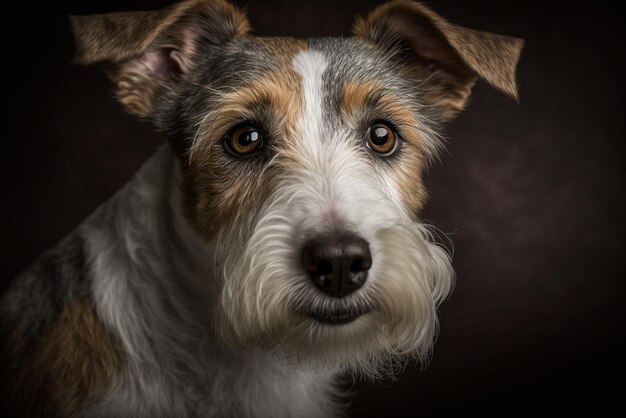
(150, 284)
(143, 224)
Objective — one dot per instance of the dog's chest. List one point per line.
(235, 387)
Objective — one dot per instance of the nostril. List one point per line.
(358, 266)
(322, 281)
(324, 267)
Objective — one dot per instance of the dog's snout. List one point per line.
(338, 265)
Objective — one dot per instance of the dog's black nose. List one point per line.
(338, 265)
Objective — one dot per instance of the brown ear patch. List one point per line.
(147, 52)
(73, 363)
(448, 57)
(118, 36)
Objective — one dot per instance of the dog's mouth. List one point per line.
(337, 316)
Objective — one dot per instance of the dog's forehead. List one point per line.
(278, 81)
(351, 59)
(323, 86)
(344, 60)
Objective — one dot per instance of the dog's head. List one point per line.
(301, 162)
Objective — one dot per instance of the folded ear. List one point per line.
(149, 53)
(446, 58)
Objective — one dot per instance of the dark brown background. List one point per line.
(533, 194)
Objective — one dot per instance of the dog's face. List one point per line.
(301, 163)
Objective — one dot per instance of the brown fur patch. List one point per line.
(131, 42)
(450, 56)
(218, 188)
(365, 102)
(73, 363)
(355, 96)
(118, 36)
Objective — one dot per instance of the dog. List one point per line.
(274, 244)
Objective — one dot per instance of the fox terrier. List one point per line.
(275, 243)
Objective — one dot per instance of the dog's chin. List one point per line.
(352, 342)
(358, 339)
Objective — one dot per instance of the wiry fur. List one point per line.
(151, 283)
(190, 281)
(325, 185)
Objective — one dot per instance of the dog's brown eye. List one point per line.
(244, 141)
(381, 139)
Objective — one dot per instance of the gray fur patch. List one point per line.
(38, 295)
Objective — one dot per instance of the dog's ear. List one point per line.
(446, 58)
(148, 53)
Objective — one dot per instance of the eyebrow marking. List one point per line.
(368, 101)
(269, 100)
(354, 97)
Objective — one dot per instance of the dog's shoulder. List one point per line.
(56, 354)
(38, 295)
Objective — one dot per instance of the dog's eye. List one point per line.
(244, 140)
(381, 139)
